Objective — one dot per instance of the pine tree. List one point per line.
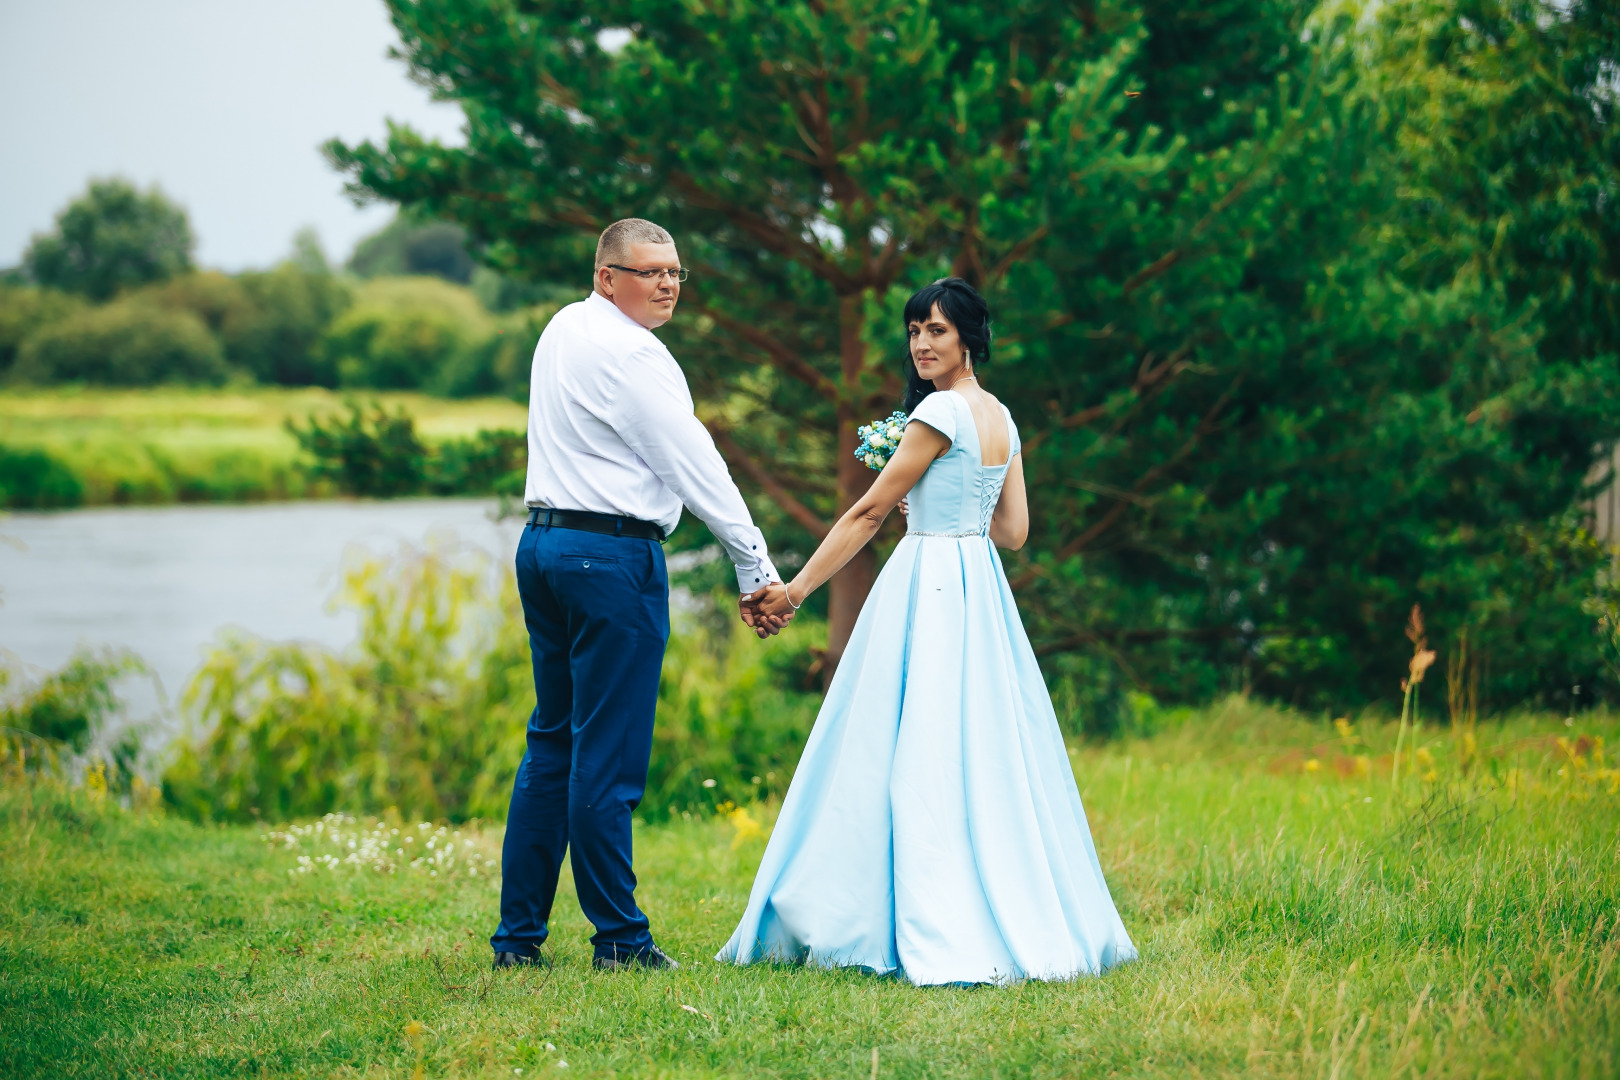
(1249, 418)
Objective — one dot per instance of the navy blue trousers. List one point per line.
(597, 609)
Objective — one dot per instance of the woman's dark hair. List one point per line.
(965, 308)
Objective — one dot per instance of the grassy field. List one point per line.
(1298, 916)
(172, 444)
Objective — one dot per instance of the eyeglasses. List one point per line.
(678, 274)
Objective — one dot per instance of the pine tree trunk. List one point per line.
(848, 588)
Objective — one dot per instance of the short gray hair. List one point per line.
(614, 245)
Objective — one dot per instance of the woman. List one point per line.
(933, 829)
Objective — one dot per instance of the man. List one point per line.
(614, 452)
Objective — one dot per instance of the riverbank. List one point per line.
(172, 444)
(1297, 915)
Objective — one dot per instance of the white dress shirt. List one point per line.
(611, 429)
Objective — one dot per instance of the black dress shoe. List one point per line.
(512, 960)
(651, 958)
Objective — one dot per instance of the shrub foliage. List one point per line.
(377, 453)
(30, 478)
(426, 712)
(50, 719)
(133, 342)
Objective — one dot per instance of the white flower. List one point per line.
(709, 782)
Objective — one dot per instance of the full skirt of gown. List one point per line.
(933, 829)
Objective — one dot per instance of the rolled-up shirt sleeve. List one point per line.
(652, 413)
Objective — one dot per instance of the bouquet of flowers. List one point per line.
(877, 441)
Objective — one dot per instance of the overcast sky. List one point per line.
(224, 103)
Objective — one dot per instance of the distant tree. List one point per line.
(270, 322)
(293, 307)
(307, 253)
(110, 238)
(408, 246)
(499, 363)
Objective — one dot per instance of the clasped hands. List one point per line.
(767, 610)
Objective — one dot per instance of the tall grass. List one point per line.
(426, 713)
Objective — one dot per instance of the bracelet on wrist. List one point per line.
(787, 591)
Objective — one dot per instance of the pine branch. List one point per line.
(763, 477)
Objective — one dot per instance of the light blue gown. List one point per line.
(933, 829)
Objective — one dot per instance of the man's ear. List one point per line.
(604, 280)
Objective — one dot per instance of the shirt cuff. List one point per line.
(753, 578)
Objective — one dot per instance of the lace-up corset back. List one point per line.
(958, 494)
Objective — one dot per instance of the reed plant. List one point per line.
(1422, 659)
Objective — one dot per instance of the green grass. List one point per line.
(171, 444)
(1294, 920)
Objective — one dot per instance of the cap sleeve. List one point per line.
(1016, 444)
(937, 412)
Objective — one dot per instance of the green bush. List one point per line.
(377, 453)
(70, 711)
(23, 310)
(427, 711)
(488, 463)
(373, 453)
(402, 332)
(280, 340)
(126, 343)
(499, 364)
(32, 479)
(270, 323)
(410, 246)
(217, 299)
(733, 712)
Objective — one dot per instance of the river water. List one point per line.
(164, 581)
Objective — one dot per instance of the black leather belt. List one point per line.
(589, 521)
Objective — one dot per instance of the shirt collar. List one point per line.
(597, 298)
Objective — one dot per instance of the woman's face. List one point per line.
(936, 348)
